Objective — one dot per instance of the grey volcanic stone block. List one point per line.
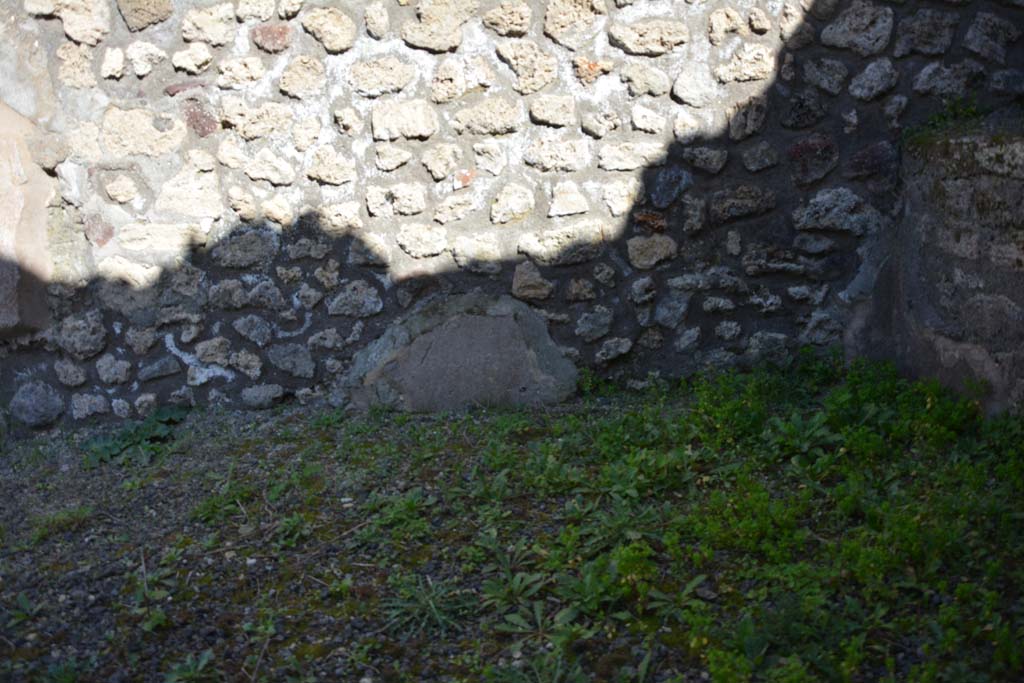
(25, 190)
(36, 404)
(164, 366)
(294, 359)
(469, 350)
(262, 395)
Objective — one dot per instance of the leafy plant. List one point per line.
(594, 590)
(547, 667)
(730, 409)
(509, 591)
(678, 607)
(193, 669)
(404, 514)
(634, 566)
(67, 671)
(139, 443)
(807, 443)
(150, 587)
(292, 530)
(535, 624)
(228, 498)
(23, 611)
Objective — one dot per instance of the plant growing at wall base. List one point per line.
(135, 444)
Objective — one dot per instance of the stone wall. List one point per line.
(246, 194)
(950, 301)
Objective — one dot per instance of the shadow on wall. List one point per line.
(751, 234)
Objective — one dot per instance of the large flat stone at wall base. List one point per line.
(451, 354)
(25, 191)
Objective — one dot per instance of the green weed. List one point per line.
(137, 444)
(64, 521)
(193, 669)
(420, 604)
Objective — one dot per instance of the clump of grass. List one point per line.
(420, 604)
(63, 521)
(226, 501)
(403, 515)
